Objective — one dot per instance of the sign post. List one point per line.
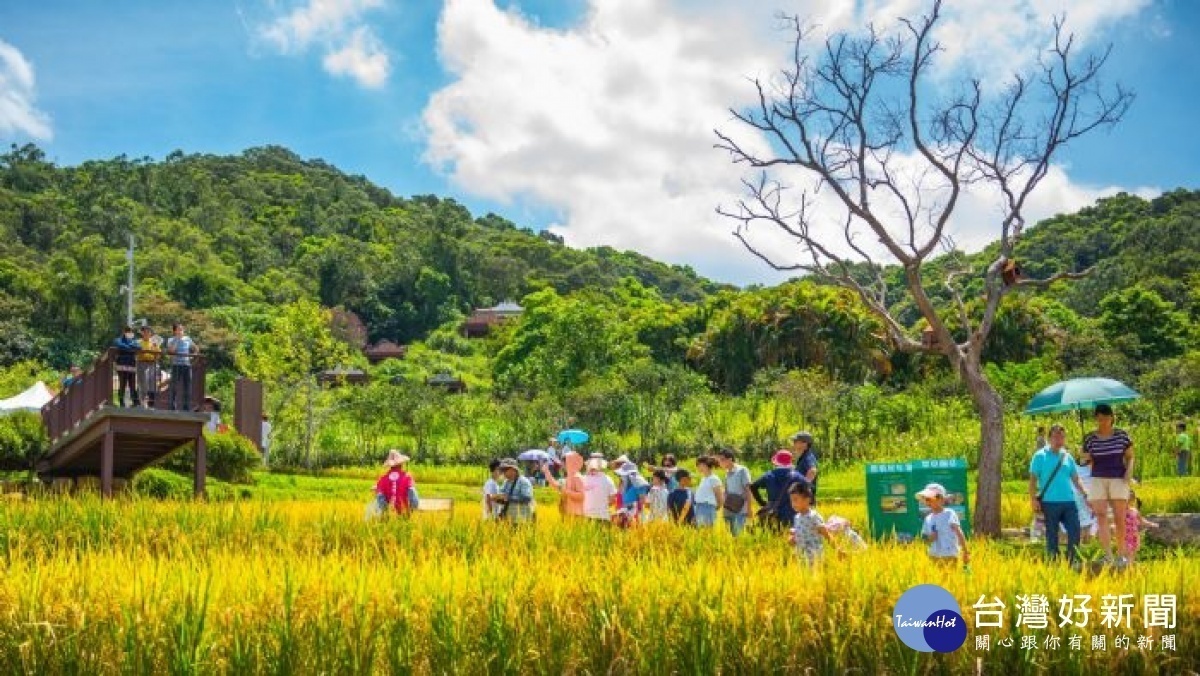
(892, 504)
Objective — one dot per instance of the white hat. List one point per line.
(932, 491)
(394, 458)
(596, 463)
(837, 524)
(620, 461)
(627, 469)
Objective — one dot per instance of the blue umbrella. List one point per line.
(1079, 394)
(573, 437)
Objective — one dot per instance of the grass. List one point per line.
(294, 581)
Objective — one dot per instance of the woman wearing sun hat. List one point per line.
(516, 494)
(599, 491)
(396, 487)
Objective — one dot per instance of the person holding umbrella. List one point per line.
(1109, 451)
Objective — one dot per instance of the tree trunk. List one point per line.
(990, 408)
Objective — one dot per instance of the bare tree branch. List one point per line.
(837, 118)
(1058, 277)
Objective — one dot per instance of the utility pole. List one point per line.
(129, 284)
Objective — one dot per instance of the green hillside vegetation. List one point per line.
(282, 267)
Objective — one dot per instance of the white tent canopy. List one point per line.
(30, 400)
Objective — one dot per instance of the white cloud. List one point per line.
(336, 27)
(993, 39)
(610, 122)
(18, 114)
(363, 59)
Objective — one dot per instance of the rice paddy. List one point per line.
(136, 586)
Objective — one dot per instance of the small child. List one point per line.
(656, 499)
(837, 525)
(680, 500)
(1135, 523)
(491, 509)
(941, 527)
(808, 532)
(1087, 518)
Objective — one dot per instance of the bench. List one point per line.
(437, 505)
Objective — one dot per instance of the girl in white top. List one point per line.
(709, 494)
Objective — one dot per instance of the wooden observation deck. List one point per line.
(90, 435)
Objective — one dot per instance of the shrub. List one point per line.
(22, 440)
(162, 484)
(230, 458)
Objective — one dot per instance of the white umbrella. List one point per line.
(534, 455)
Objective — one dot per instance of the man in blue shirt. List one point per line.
(181, 349)
(1052, 471)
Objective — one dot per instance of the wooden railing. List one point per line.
(96, 388)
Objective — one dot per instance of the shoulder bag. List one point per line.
(1046, 486)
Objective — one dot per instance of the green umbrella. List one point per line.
(1079, 394)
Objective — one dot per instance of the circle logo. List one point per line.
(928, 618)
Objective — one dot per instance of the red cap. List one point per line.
(782, 458)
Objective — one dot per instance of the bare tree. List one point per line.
(859, 119)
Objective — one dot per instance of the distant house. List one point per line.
(384, 349)
(343, 376)
(444, 380)
(482, 320)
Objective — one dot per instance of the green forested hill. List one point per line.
(264, 227)
(224, 241)
(282, 267)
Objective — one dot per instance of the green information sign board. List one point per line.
(892, 504)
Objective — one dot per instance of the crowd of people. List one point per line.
(1078, 498)
(138, 363)
(785, 496)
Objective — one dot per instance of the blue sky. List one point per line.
(420, 102)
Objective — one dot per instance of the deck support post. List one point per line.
(106, 464)
(201, 466)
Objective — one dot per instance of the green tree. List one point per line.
(288, 358)
(1142, 324)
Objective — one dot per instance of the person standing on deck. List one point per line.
(181, 348)
(127, 352)
(149, 354)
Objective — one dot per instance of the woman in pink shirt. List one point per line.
(396, 486)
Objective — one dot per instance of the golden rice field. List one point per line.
(281, 587)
